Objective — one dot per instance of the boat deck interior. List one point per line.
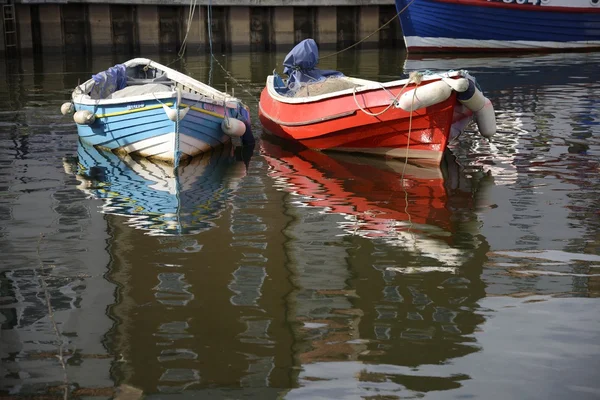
(139, 80)
(329, 85)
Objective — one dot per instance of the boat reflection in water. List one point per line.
(386, 299)
(403, 204)
(546, 101)
(156, 197)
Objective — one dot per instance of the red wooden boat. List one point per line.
(411, 118)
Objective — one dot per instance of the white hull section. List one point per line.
(163, 147)
(423, 156)
(440, 42)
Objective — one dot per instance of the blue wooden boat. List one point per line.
(157, 197)
(499, 25)
(144, 108)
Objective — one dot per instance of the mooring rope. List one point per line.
(176, 155)
(192, 10)
(193, 4)
(369, 35)
(230, 76)
(416, 77)
(213, 58)
(210, 44)
(406, 158)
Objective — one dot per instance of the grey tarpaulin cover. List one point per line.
(300, 65)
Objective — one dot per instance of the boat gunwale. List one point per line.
(80, 93)
(367, 86)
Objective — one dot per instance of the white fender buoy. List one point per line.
(172, 114)
(66, 108)
(183, 112)
(472, 97)
(84, 117)
(486, 119)
(233, 127)
(461, 118)
(424, 96)
(460, 84)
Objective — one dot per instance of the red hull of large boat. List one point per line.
(338, 123)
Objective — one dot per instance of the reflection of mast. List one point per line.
(350, 305)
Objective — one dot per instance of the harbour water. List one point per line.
(279, 272)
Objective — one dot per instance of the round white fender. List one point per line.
(84, 117)
(233, 127)
(66, 108)
(460, 84)
(424, 96)
(173, 114)
(486, 119)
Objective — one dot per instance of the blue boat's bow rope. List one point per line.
(190, 20)
(175, 115)
(176, 153)
(213, 58)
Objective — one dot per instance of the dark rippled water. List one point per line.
(279, 272)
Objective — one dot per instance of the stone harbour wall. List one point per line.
(152, 25)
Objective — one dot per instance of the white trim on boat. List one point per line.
(365, 85)
(163, 147)
(440, 42)
(205, 92)
(400, 153)
(85, 99)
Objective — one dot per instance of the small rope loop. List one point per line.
(414, 76)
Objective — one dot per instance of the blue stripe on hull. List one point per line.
(433, 19)
(116, 131)
(203, 127)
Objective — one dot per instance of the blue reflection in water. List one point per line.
(156, 197)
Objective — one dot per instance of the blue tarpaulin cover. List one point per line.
(300, 65)
(109, 81)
